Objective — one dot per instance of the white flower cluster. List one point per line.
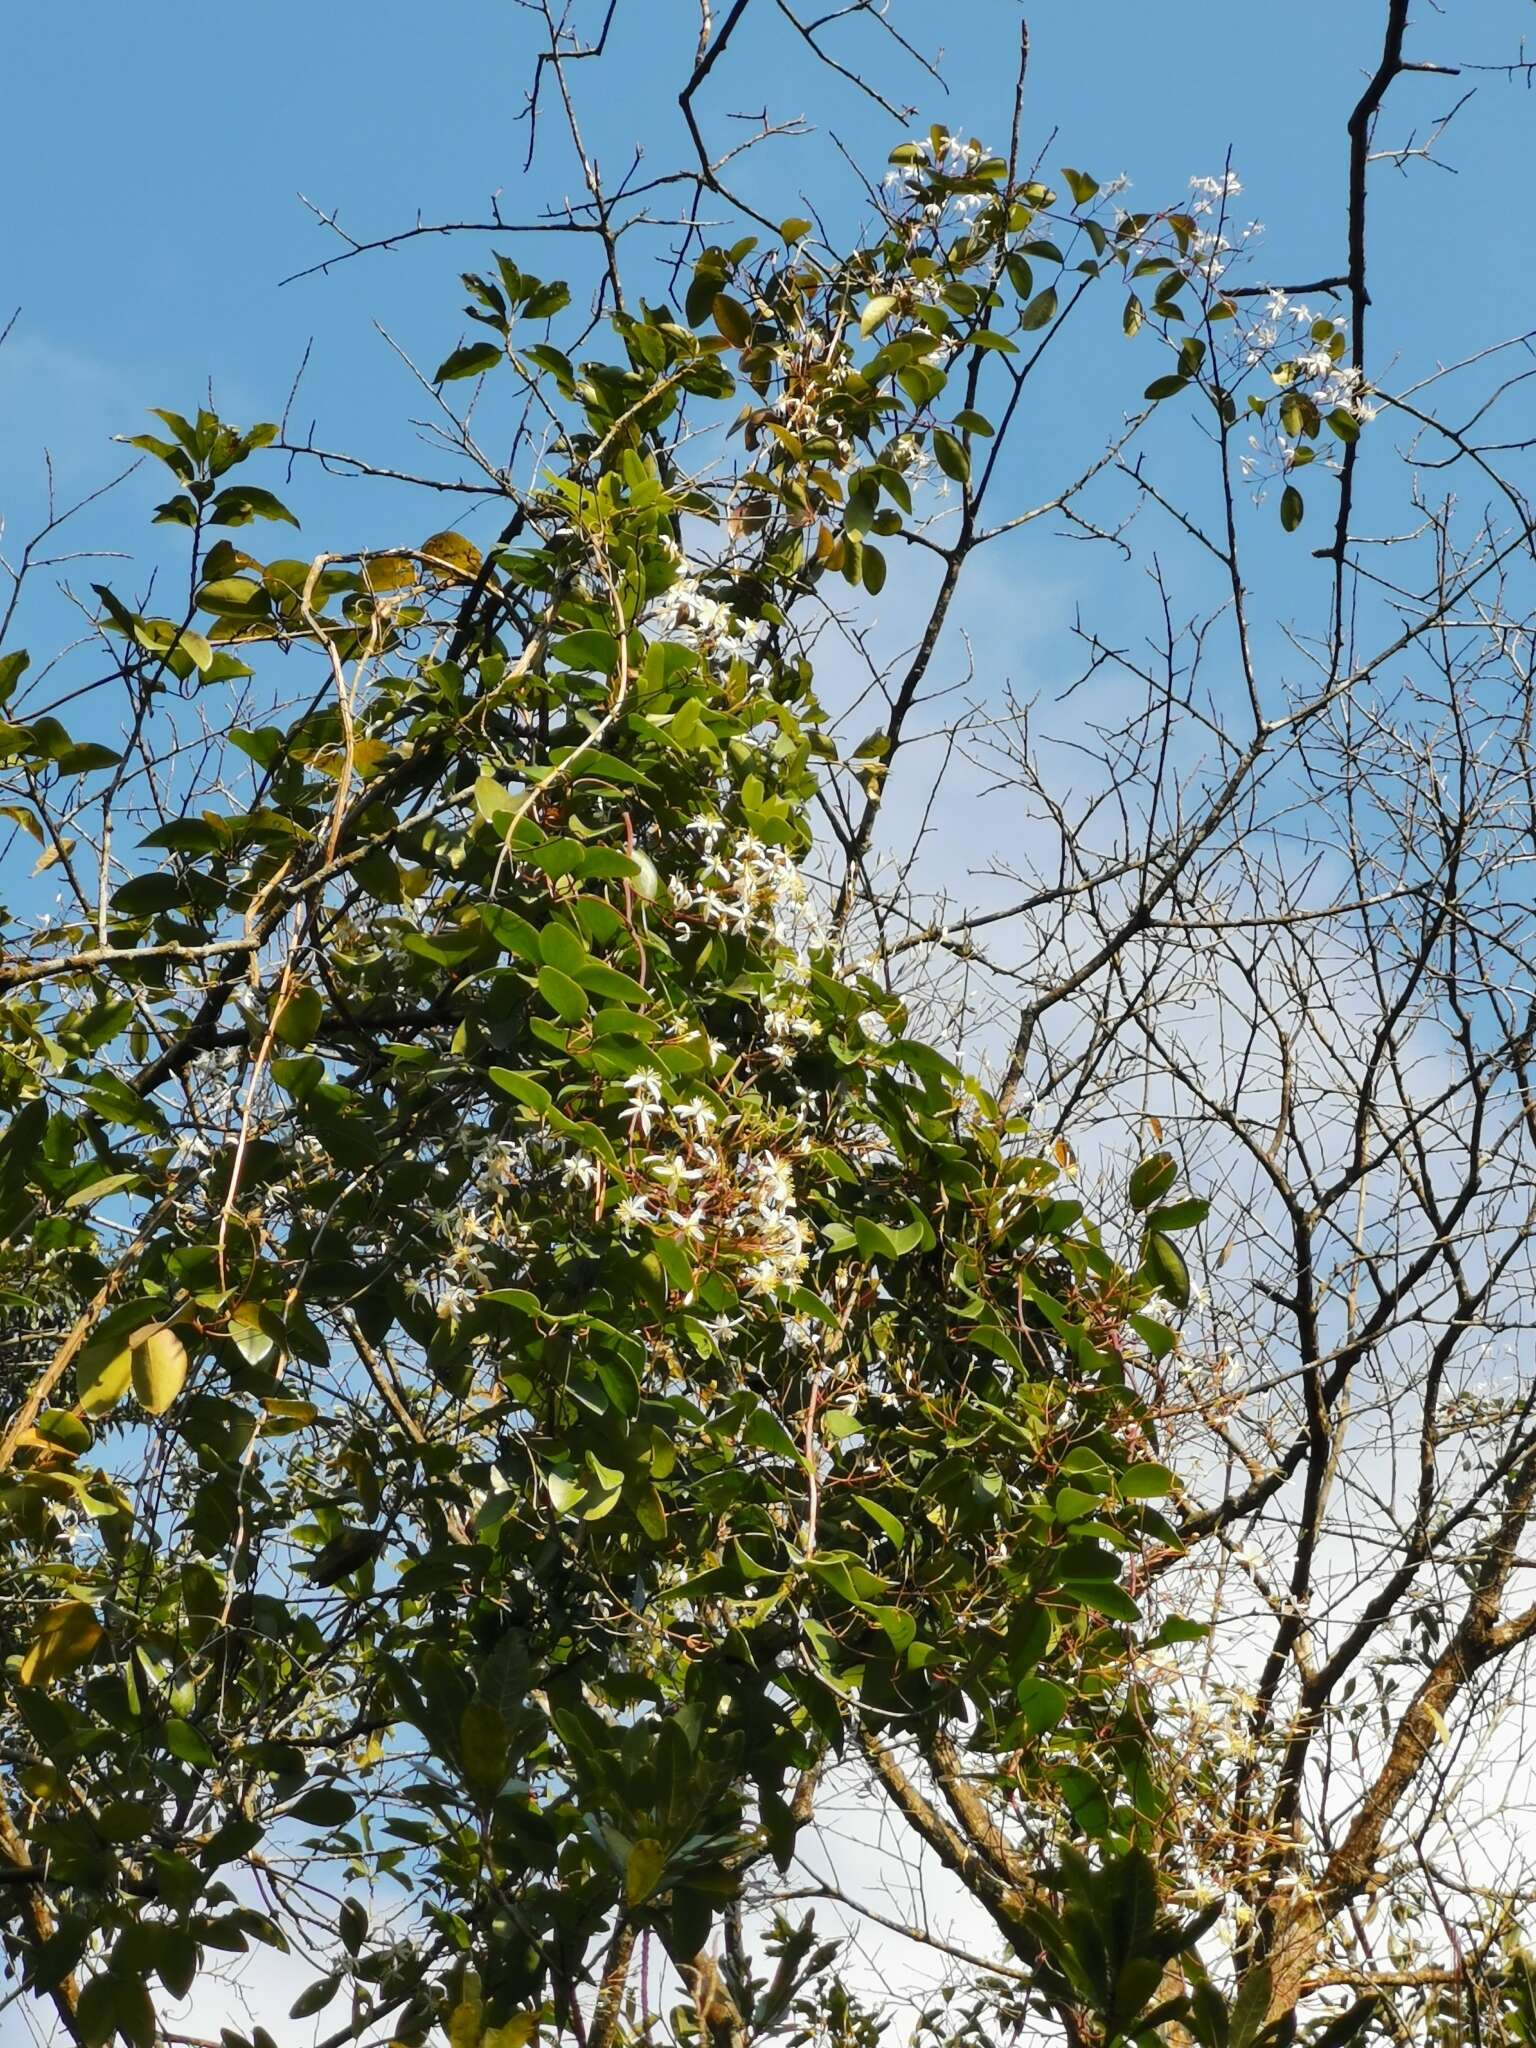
(821, 366)
(685, 615)
(1269, 331)
(747, 887)
(713, 1187)
(452, 1282)
(483, 1220)
(1335, 386)
(1332, 386)
(910, 182)
(1211, 249)
(907, 454)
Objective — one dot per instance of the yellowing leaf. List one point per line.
(68, 1634)
(878, 309)
(512, 2033)
(299, 1018)
(453, 558)
(247, 1335)
(158, 1362)
(102, 1377)
(564, 1494)
(197, 647)
(20, 815)
(391, 572)
(464, 2020)
(50, 855)
(642, 1873)
(483, 1746)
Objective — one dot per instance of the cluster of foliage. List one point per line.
(517, 1358)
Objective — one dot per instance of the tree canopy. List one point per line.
(533, 1347)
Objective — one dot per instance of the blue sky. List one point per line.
(156, 153)
(146, 253)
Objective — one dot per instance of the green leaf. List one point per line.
(900, 1628)
(1040, 311)
(1151, 1178)
(512, 933)
(12, 668)
(565, 1494)
(66, 1636)
(533, 1094)
(1104, 1596)
(593, 650)
(1145, 1482)
(317, 1996)
(1292, 508)
(346, 1553)
(352, 1925)
(879, 309)
(1185, 1215)
(97, 1190)
(473, 360)
(1176, 1628)
(765, 1432)
(950, 454)
(1249, 2008)
(1163, 1264)
(1041, 1702)
(234, 595)
(188, 1744)
(733, 320)
(242, 503)
(565, 997)
(324, 1806)
(100, 2011)
(562, 947)
(887, 1523)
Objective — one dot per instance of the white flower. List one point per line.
(633, 1210)
(774, 1177)
(644, 1108)
(452, 1301)
(1209, 190)
(690, 1222)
